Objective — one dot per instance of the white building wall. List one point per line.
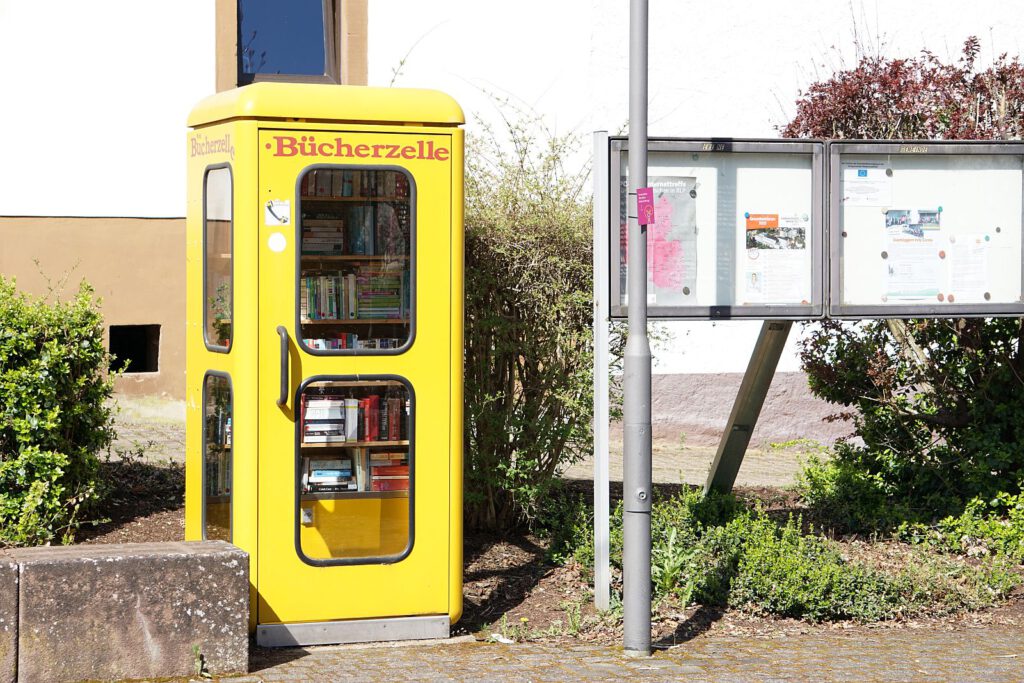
(730, 68)
(93, 104)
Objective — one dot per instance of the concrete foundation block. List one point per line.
(141, 610)
(8, 621)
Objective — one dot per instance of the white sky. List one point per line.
(729, 68)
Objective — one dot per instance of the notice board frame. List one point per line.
(838, 149)
(815, 149)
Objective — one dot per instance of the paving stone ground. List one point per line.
(970, 654)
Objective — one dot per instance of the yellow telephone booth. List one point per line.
(325, 355)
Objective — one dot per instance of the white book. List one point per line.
(352, 419)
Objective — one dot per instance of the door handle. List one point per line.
(282, 399)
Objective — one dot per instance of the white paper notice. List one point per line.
(866, 183)
(968, 268)
(913, 269)
(777, 268)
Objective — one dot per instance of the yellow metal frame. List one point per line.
(416, 131)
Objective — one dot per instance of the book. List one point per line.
(371, 427)
(395, 422)
(382, 470)
(400, 484)
(352, 419)
(323, 182)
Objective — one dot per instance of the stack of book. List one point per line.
(340, 341)
(323, 237)
(329, 475)
(323, 419)
(389, 471)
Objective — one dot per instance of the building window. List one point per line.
(135, 348)
(293, 41)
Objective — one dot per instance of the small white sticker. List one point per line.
(277, 242)
(277, 212)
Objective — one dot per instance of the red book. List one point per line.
(390, 470)
(372, 418)
(390, 485)
(394, 419)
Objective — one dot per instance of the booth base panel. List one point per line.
(354, 631)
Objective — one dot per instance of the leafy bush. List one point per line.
(986, 527)
(528, 351)
(54, 413)
(937, 404)
(717, 551)
(845, 495)
(782, 571)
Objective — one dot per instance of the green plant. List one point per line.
(528, 367)
(717, 551)
(517, 631)
(986, 527)
(55, 415)
(573, 617)
(220, 306)
(785, 572)
(843, 495)
(199, 663)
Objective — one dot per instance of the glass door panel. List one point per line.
(355, 283)
(354, 470)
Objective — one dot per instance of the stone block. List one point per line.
(140, 610)
(8, 620)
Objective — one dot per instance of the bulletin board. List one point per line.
(925, 229)
(738, 229)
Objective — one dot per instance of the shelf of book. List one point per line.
(355, 444)
(357, 321)
(353, 495)
(327, 198)
(353, 383)
(353, 257)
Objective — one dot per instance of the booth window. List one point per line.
(217, 259)
(355, 285)
(217, 457)
(293, 41)
(355, 471)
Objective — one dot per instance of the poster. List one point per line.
(914, 256)
(866, 183)
(778, 261)
(671, 241)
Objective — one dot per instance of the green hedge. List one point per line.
(528, 353)
(54, 413)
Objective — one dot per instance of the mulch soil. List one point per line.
(511, 590)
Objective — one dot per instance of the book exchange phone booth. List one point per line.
(324, 397)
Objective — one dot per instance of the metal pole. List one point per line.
(602, 545)
(636, 474)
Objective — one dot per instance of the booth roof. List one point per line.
(322, 102)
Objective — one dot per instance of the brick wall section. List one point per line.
(699, 406)
(129, 610)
